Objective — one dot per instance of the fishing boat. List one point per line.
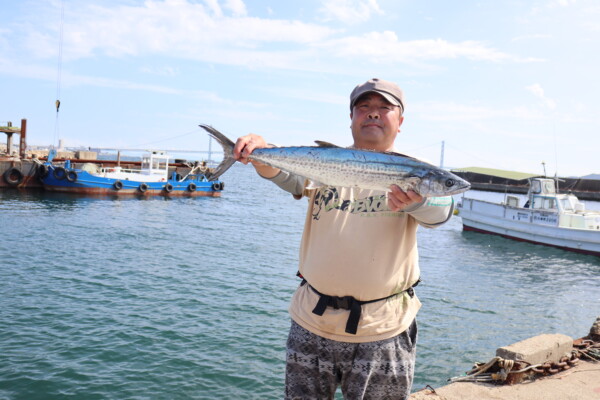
(153, 178)
(547, 218)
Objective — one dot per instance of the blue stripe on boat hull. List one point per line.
(96, 185)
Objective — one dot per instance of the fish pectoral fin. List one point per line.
(314, 184)
(322, 143)
(410, 183)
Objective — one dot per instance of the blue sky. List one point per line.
(506, 85)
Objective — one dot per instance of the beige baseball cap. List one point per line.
(389, 90)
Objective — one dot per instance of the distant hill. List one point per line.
(591, 176)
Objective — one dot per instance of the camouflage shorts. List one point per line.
(374, 370)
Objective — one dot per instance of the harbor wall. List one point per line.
(28, 170)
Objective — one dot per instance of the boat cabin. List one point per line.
(154, 168)
(155, 163)
(542, 196)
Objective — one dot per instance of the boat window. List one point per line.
(566, 205)
(540, 202)
(536, 186)
(549, 187)
(549, 203)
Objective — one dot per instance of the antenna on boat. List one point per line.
(544, 165)
(442, 156)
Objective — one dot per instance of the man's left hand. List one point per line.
(399, 199)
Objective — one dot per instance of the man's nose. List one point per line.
(373, 113)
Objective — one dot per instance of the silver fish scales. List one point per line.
(336, 166)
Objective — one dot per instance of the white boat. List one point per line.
(547, 218)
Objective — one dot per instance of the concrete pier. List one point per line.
(545, 367)
(578, 383)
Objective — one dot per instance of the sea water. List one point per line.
(186, 298)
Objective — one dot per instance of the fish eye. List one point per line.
(449, 182)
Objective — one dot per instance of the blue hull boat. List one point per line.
(152, 179)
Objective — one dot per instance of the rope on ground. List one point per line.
(498, 369)
(477, 374)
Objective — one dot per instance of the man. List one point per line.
(353, 315)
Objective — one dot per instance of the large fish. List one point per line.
(328, 164)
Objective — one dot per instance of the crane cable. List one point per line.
(59, 71)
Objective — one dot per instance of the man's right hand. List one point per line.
(245, 145)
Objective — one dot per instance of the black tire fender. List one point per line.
(72, 176)
(118, 185)
(143, 188)
(42, 171)
(59, 173)
(191, 187)
(13, 176)
(168, 188)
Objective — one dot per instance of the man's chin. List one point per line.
(363, 144)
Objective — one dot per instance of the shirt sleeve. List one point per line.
(432, 211)
(291, 183)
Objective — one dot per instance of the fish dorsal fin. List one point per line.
(393, 153)
(322, 143)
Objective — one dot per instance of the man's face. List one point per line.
(375, 123)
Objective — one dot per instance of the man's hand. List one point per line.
(399, 199)
(245, 145)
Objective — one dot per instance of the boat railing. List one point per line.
(118, 170)
(197, 173)
(106, 170)
(193, 177)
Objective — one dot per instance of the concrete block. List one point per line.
(86, 155)
(538, 349)
(65, 154)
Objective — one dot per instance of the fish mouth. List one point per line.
(462, 187)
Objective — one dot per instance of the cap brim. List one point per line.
(391, 99)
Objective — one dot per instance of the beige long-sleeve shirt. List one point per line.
(354, 245)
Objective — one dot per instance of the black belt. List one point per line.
(349, 303)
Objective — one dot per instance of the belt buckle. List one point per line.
(343, 302)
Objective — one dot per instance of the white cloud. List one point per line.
(174, 28)
(453, 112)
(205, 31)
(214, 6)
(562, 3)
(385, 46)
(349, 11)
(237, 7)
(537, 90)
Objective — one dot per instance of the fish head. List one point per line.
(439, 182)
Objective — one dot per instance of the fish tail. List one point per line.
(227, 145)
